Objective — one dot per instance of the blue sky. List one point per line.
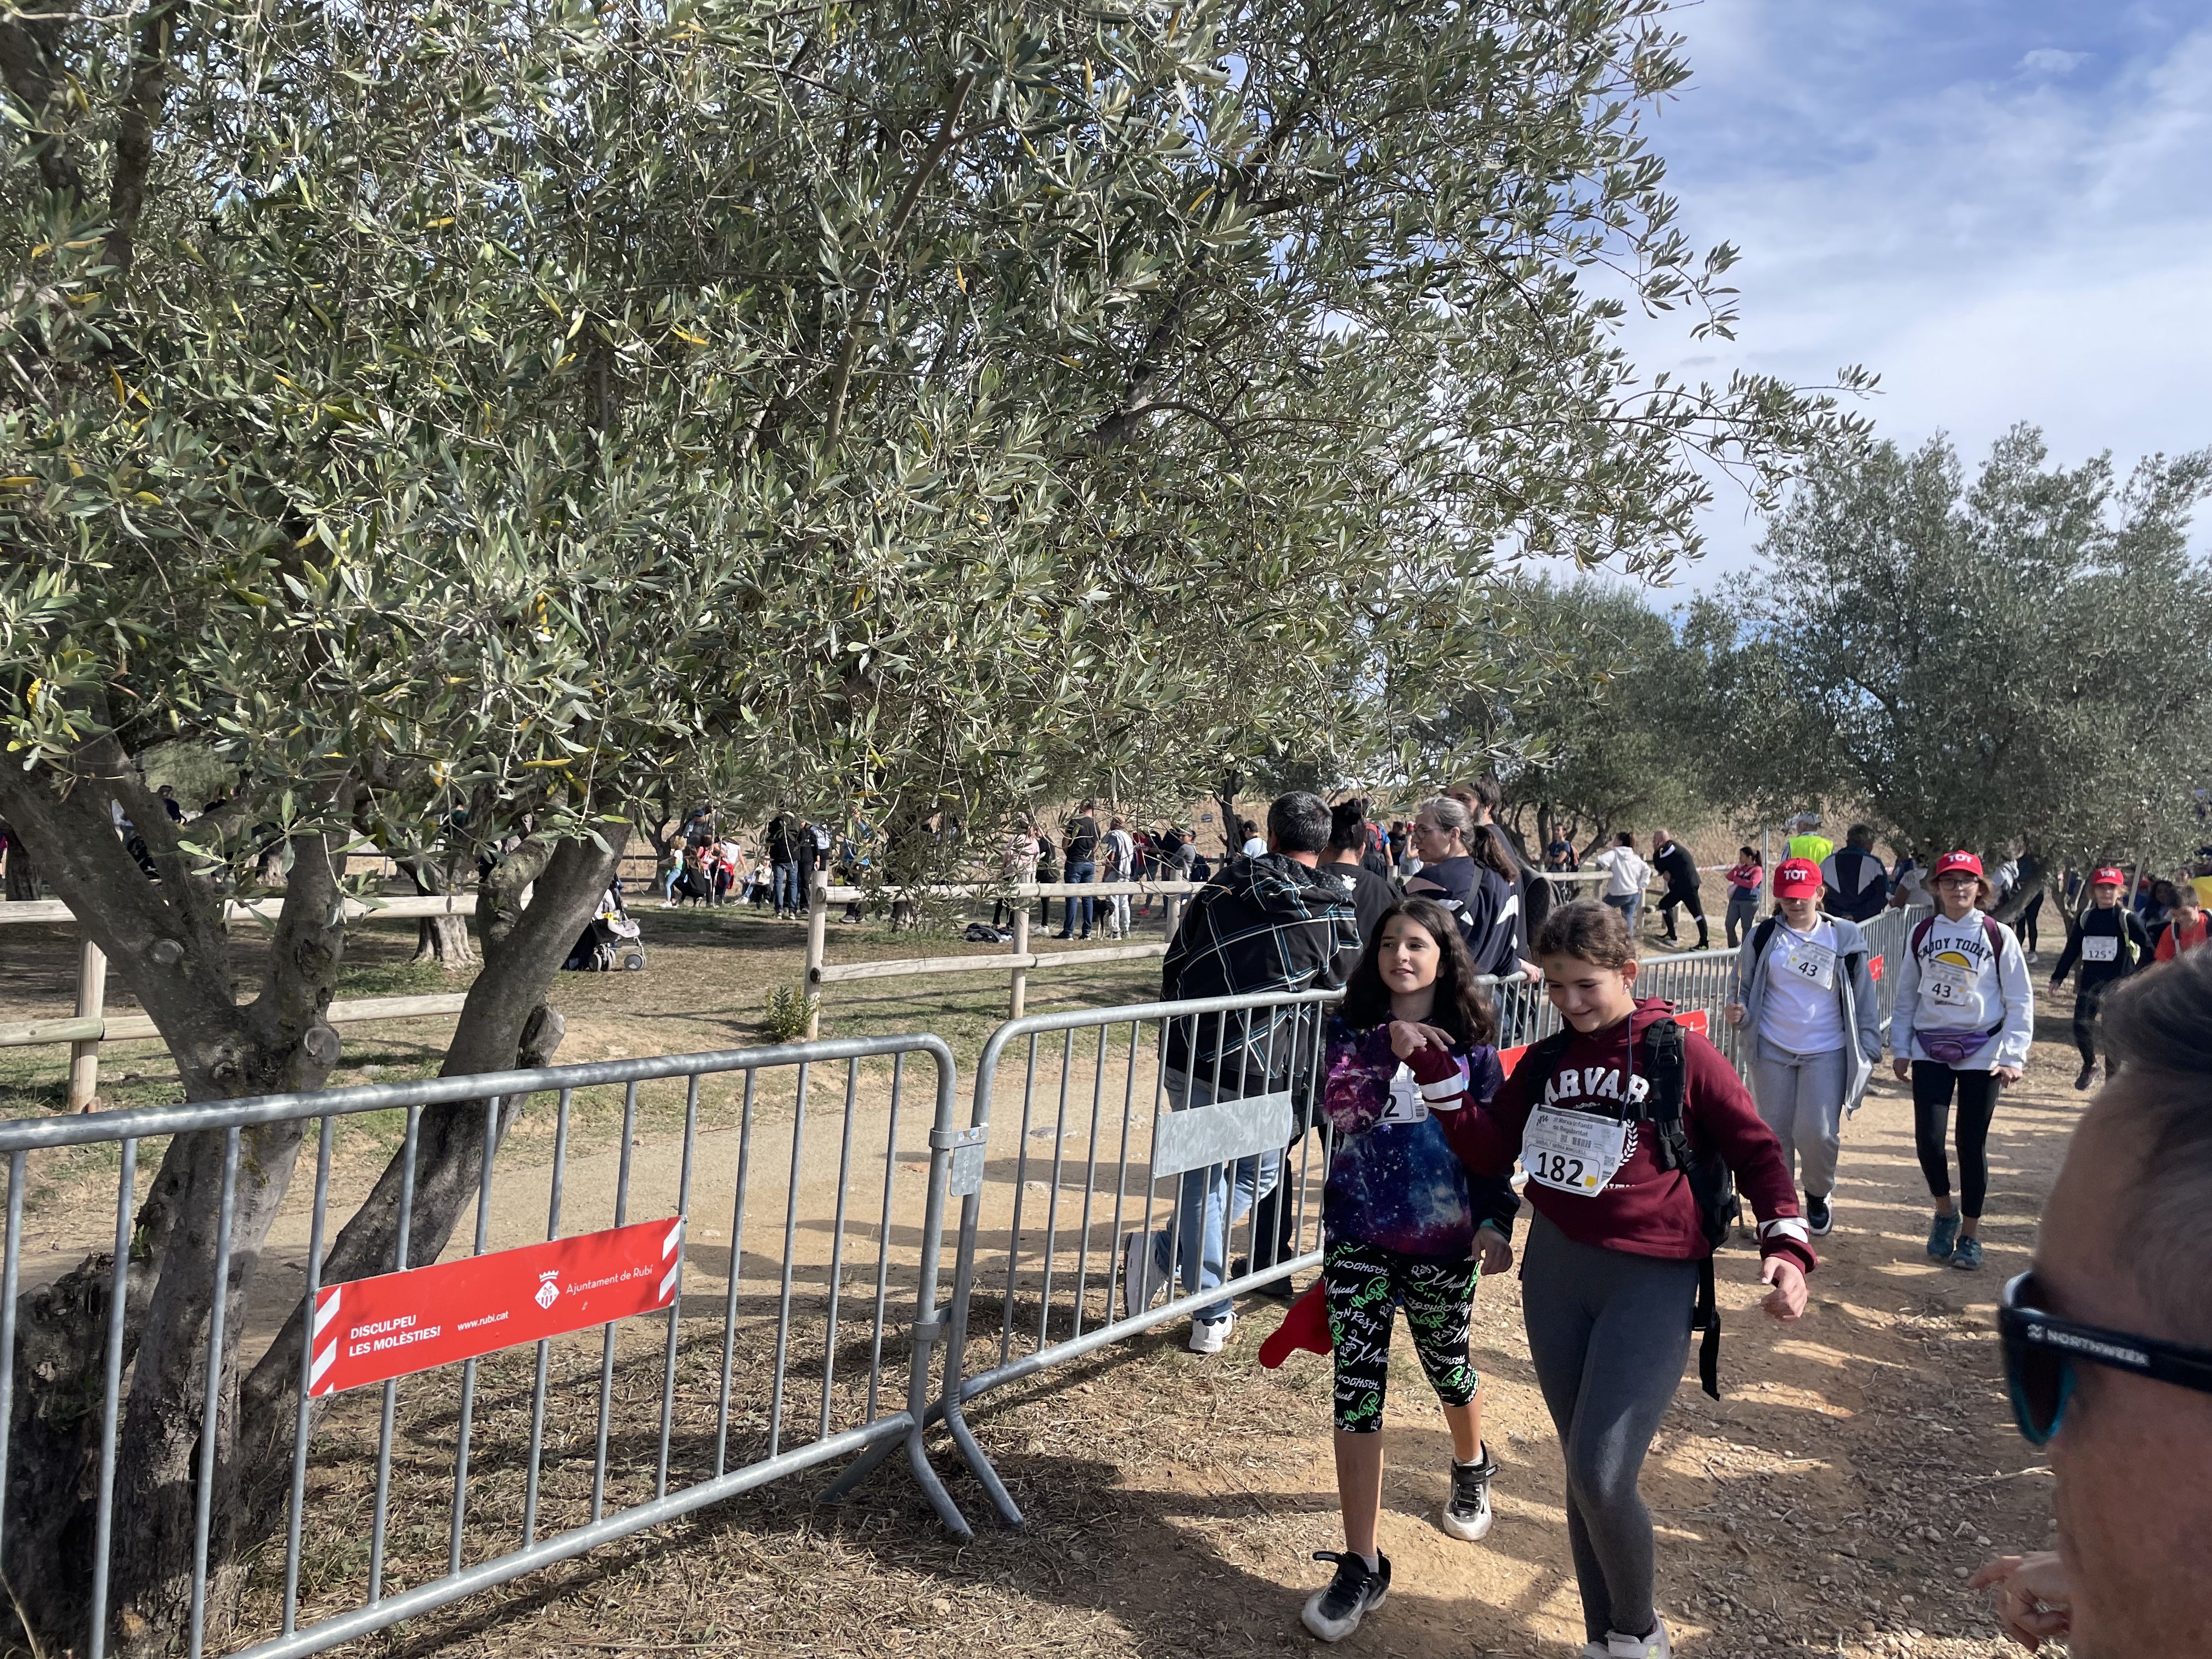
(2002, 207)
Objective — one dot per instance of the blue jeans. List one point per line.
(1213, 1201)
(1083, 871)
(789, 892)
(1628, 904)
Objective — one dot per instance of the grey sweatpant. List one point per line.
(1801, 1098)
(1608, 1332)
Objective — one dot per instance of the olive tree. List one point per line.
(2010, 659)
(466, 420)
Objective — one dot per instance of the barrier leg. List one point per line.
(91, 1004)
(1019, 997)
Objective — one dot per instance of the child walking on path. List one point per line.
(1622, 1121)
(1963, 1022)
(1403, 1221)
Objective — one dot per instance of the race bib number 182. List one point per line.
(1572, 1151)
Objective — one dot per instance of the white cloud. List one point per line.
(1998, 248)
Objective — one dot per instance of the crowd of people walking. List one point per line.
(1636, 1139)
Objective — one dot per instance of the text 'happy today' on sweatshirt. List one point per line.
(1642, 1210)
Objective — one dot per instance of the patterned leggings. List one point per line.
(1362, 1283)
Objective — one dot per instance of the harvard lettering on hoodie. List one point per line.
(1642, 1210)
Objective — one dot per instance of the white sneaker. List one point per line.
(1594, 1650)
(1210, 1335)
(1131, 1265)
(1654, 1646)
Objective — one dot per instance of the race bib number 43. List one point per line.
(1950, 983)
(1814, 964)
(1572, 1151)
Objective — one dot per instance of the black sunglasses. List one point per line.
(2040, 1349)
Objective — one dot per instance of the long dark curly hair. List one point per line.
(1462, 1007)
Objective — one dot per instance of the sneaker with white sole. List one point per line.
(1594, 1650)
(1126, 1287)
(1654, 1646)
(1211, 1335)
(1356, 1590)
(1820, 1219)
(1466, 1511)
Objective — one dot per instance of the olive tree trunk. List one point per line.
(167, 940)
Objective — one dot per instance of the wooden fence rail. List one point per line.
(90, 1027)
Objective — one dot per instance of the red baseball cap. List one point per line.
(1950, 862)
(2109, 875)
(1797, 878)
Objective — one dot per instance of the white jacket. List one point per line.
(1626, 873)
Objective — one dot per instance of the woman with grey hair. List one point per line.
(1461, 872)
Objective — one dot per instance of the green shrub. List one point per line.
(788, 1010)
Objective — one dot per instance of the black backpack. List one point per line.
(1712, 1183)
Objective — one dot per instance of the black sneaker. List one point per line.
(1818, 1217)
(1333, 1613)
(2089, 1074)
(1466, 1511)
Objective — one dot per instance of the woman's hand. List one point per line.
(2005, 1075)
(1495, 1249)
(1786, 1301)
(2034, 1601)
(1736, 1013)
(1903, 1066)
(1408, 1038)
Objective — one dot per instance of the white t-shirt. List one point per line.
(1800, 1012)
(1625, 873)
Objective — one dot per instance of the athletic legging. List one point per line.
(1363, 1282)
(2027, 922)
(1608, 1332)
(2088, 1001)
(1932, 1082)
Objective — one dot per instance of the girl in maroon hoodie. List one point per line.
(1609, 1278)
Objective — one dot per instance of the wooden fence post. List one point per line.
(817, 938)
(1021, 972)
(91, 1004)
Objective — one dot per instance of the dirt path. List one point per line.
(1859, 1464)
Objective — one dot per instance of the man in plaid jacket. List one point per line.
(1265, 923)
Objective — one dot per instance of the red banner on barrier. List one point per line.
(371, 1330)
(1693, 1020)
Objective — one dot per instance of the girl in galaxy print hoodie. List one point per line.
(1405, 1224)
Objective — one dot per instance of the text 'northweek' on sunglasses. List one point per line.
(2040, 1350)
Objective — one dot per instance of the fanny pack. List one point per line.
(1953, 1048)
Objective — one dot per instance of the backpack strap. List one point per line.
(1666, 1064)
(1760, 934)
(1706, 1316)
(1920, 933)
(1548, 1052)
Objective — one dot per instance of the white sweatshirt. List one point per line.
(1955, 983)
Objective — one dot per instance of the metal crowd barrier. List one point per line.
(780, 1347)
(767, 1362)
(1031, 1290)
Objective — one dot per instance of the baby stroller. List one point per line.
(609, 942)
